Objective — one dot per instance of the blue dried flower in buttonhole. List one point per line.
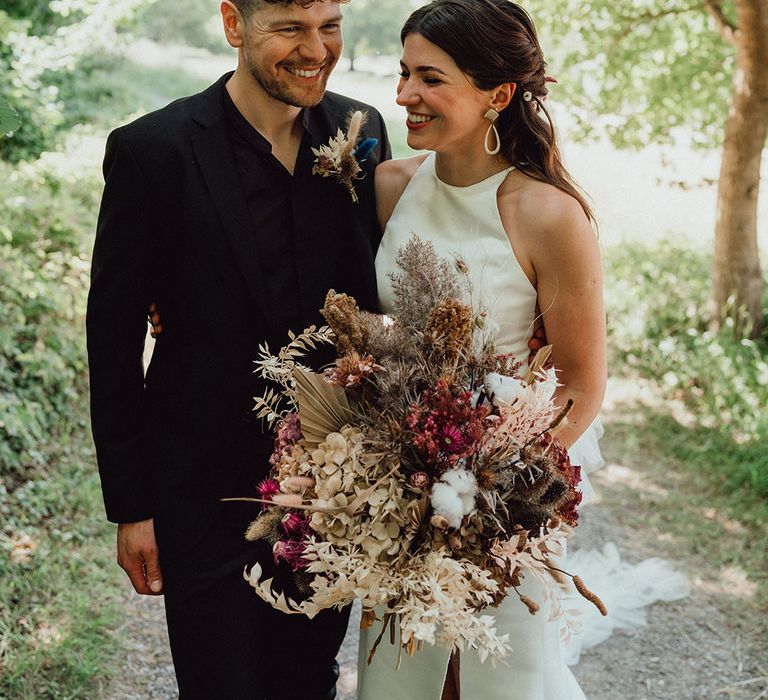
(364, 148)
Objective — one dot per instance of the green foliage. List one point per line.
(657, 300)
(9, 118)
(37, 13)
(40, 44)
(373, 26)
(43, 283)
(639, 70)
(192, 23)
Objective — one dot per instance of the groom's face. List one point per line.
(291, 50)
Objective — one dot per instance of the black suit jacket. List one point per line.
(174, 228)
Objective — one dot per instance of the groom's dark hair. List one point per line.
(248, 7)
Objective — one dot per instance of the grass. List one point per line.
(58, 580)
(724, 527)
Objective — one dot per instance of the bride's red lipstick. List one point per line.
(415, 126)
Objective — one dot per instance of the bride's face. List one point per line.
(445, 111)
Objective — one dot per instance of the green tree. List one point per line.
(373, 26)
(40, 42)
(642, 69)
(197, 24)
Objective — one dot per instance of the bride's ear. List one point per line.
(502, 96)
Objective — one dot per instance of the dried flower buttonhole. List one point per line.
(341, 157)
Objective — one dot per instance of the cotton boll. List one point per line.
(461, 480)
(464, 486)
(447, 503)
(468, 503)
(507, 389)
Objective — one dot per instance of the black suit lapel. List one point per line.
(213, 152)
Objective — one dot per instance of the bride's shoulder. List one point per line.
(396, 174)
(540, 211)
(392, 177)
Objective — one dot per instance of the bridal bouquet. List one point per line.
(418, 473)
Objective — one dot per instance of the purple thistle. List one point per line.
(266, 490)
(291, 552)
(294, 525)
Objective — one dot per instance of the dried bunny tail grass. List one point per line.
(591, 597)
(532, 605)
(425, 279)
(356, 121)
(580, 587)
(343, 316)
(265, 526)
(448, 332)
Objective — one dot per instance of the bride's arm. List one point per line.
(565, 256)
(392, 177)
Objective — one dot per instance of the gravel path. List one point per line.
(688, 651)
(693, 649)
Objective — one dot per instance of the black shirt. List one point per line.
(286, 219)
(270, 193)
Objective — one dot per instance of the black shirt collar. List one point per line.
(310, 120)
(242, 127)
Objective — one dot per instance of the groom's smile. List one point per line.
(291, 50)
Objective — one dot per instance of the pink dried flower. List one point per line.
(419, 480)
(351, 370)
(291, 552)
(434, 425)
(294, 525)
(266, 490)
(453, 439)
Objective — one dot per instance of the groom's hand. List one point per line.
(137, 555)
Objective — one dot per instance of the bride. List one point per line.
(493, 190)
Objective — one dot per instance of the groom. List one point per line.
(211, 212)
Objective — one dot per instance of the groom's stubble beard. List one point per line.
(293, 96)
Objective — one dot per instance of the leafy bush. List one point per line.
(657, 303)
(43, 283)
(42, 44)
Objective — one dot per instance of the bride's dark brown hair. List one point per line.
(495, 42)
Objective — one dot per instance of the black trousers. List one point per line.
(225, 641)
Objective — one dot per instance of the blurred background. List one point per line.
(662, 109)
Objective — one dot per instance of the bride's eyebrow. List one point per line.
(424, 69)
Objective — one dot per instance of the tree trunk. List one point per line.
(352, 59)
(737, 281)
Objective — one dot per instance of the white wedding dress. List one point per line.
(465, 222)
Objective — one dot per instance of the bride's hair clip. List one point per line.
(527, 95)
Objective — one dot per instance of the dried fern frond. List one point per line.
(280, 369)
